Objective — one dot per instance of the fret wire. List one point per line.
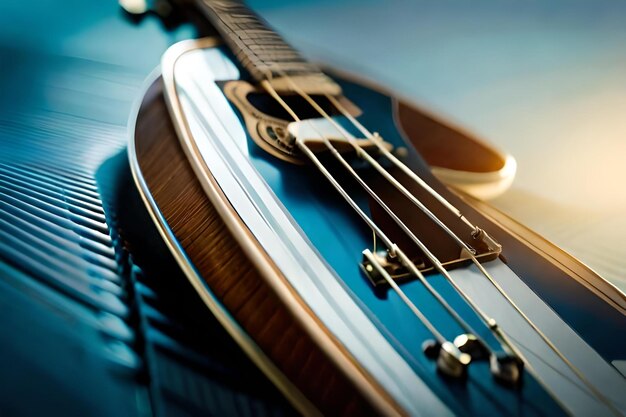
(279, 55)
(282, 47)
(267, 36)
(251, 38)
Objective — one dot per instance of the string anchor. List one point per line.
(387, 261)
(506, 369)
(470, 344)
(451, 362)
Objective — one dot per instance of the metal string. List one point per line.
(376, 140)
(395, 249)
(471, 252)
(378, 232)
(490, 322)
(392, 283)
(392, 247)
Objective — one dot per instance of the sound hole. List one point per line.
(267, 104)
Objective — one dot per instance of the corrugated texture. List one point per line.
(97, 319)
(69, 341)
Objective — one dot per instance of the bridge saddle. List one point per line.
(486, 248)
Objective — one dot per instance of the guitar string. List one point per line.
(398, 252)
(373, 138)
(489, 321)
(445, 203)
(440, 338)
(404, 228)
(392, 247)
(375, 229)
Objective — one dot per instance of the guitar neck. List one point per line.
(261, 51)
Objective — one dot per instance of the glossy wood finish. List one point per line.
(439, 143)
(232, 277)
(226, 268)
(443, 146)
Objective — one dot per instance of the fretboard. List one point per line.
(259, 49)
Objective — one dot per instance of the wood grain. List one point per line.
(227, 270)
(233, 278)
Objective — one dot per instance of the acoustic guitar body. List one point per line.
(277, 255)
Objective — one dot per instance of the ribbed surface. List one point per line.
(52, 224)
(97, 319)
(68, 324)
(51, 214)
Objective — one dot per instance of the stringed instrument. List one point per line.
(313, 229)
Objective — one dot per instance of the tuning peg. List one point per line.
(451, 362)
(506, 368)
(470, 344)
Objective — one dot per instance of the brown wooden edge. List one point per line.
(205, 229)
(209, 234)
